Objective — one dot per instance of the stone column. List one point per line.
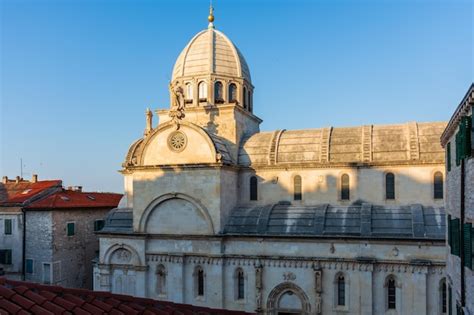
(259, 288)
(419, 293)
(141, 280)
(318, 289)
(105, 281)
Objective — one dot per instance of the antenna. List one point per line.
(21, 167)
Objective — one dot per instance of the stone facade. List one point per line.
(219, 214)
(460, 278)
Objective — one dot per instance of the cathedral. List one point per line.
(328, 220)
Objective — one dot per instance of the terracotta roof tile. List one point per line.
(18, 297)
(76, 199)
(18, 193)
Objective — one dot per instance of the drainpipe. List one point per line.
(463, 284)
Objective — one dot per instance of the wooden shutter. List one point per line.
(467, 245)
(8, 226)
(70, 229)
(458, 151)
(456, 237)
(448, 156)
(448, 224)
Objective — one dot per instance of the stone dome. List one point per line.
(211, 52)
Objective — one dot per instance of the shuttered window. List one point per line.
(70, 227)
(467, 130)
(468, 245)
(438, 185)
(99, 225)
(455, 237)
(448, 156)
(448, 224)
(8, 226)
(6, 256)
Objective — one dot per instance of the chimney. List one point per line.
(17, 180)
(78, 188)
(5, 179)
(34, 178)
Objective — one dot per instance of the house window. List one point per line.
(232, 93)
(438, 185)
(99, 225)
(70, 229)
(297, 191)
(341, 291)
(8, 227)
(161, 280)
(240, 284)
(443, 296)
(46, 273)
(189, 93)
(202, 91)
(29, 266)
(390, 186)
(218, 96)
(199, 281)
(391, 294)
(253, 188)
(345, 189)
(5, 256)
(468, 244)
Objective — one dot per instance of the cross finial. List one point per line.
(210, 18)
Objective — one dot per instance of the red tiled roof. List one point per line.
(17, 297)
(76, 199)
(18, 193)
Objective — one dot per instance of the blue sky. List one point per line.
(77, 75)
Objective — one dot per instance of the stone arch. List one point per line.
(196, 205)
(113, 250)
(284, 290)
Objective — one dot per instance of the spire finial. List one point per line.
(210, 18)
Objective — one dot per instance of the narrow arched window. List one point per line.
(161, 280)
(253, 188)
(345, 188)
(297, 191)
(390, 186)
(189, 93)
(443, 298)
(199, 274)
(438, 185)
(240, 284)
(232, 93)
(341, 290)
(250, 102)
(202, 91)
(218, 94)
(245, 98)
(391, 294)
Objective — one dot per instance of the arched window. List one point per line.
(438, 185)
(202, 91)
(345, 188)
(250, 102)
(253, 188)
(161, 280)
(389, 186)
(199, 281)
(240, 284)
(391, 294)
(245, 98)
(218, 95)
(297, 191)
(189, 93)
(341, 290)
(232, 93)
(443, 296)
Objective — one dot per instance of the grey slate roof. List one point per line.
(366, 220)
(119, 220)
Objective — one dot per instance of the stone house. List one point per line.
(15, 195)
(458, 141)
(60, 239)
(318, 221)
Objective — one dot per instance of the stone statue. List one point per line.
(149, 122)
(177, 109)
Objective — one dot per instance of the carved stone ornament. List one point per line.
(122, 256)
(177, 141)
(177, 109)
(289, 276)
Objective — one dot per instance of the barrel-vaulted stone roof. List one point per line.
(364, 220)
(409, 142)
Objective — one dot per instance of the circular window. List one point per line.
(177, 141)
